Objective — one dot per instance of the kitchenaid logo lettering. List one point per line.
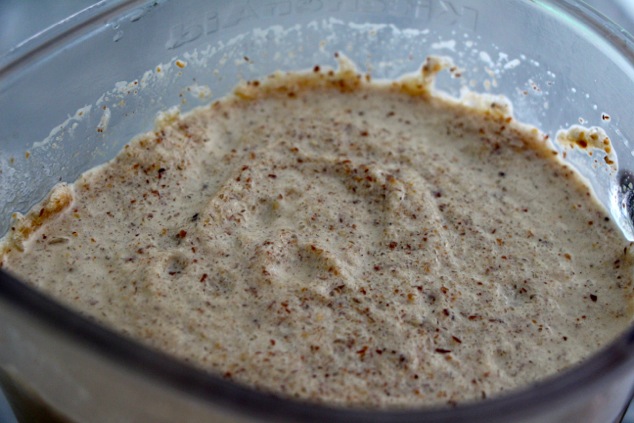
(182, 34)
(434, 12)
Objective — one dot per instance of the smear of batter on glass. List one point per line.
(324, 237)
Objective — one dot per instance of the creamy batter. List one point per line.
(323, 237)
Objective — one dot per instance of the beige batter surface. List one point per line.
(322, 237)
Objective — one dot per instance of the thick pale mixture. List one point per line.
(325, 238)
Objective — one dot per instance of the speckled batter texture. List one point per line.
(322, 237)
